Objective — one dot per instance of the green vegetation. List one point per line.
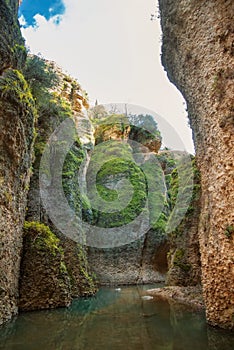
(52, 108)
(229, 231)
(19, 52)
(143, 128)
(14, 88)
(39, 75)
(63, 268)
(70, 176)
(185, 173)
(41, 78)
(42, 237)
(156, 195)
(179, 258)
(127, 170)
(119, 165)
(160, 224)
(7, 197)
(114, 124)
(16, 100)
(88, 279)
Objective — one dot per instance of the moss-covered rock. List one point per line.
(17, 116)
(57, 99)
(83, 281)
(184, 256)
(111, 127)
(121, 144)
(44, 281)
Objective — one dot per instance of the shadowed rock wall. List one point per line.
(17, 114)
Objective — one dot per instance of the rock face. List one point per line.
(17, 113)
(184, 254)
(198, 54)
(143, 260)
(64, 270)
(12, 50)
(44, 280)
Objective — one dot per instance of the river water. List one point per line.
(114, 319)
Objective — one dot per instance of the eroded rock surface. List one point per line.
(142, 261)
(198, 54)
(64, 270)
(44, 280)
(17, 113)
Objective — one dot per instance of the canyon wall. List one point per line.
(17, 113)
(122, 137)
(184, 265)
(198, 54)
(54, 268)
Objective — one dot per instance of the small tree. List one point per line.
(39, 76)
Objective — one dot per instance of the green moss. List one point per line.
(160, 224)
(156, 195)
(229, 231)
(63, 267)
(42, 237)
(174, 186)
(39, 148)
(144, 128)
(179, 254)
(14, 88)
(178, 260)
(16, 99)
(117, 168)
(87, 213)
(8, 197)
(113, 123)
(70, 176)
(39, 76)
(88, 278)
(20, 53)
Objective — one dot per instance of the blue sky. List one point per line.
(46, 8)
(113, 49)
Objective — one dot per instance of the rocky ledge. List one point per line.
(189, 296)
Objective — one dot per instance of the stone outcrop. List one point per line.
(198, 54)
(184, 265)
(44, 280)
(64, 99)
(17, 113)
(143, 260)
(189, 295)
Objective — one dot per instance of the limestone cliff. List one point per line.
(44, 280)
(198, 54)
(62, 271)
(184, 266)
(17, 113)
(145, 259)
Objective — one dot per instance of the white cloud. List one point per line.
(22, 21)
(113, 49)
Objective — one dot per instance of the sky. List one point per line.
(113, 49)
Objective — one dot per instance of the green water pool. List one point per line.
(115, 318)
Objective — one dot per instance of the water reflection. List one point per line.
(113, 320)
